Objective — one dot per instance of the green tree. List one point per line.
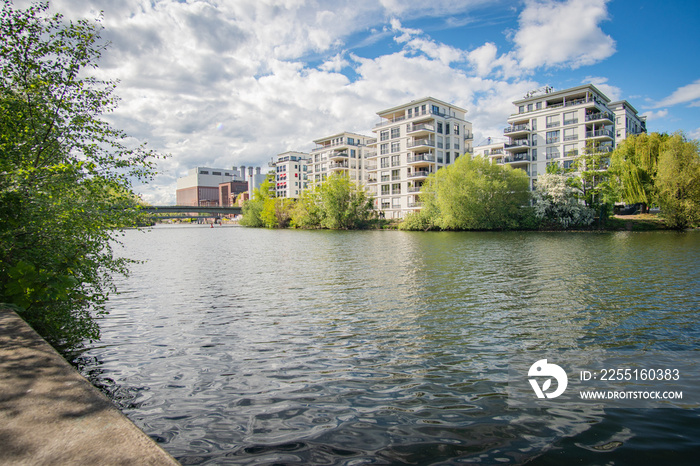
(677, 181)
(337, 204)
(633, 167)
(277, 212)
(472, 194)
(65, 175)
(557, 202)
(252, 211)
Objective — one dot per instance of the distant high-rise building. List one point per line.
(290, 173)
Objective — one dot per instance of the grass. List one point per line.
(638, 222)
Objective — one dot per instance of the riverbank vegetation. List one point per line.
(337, 204)
(65, 175)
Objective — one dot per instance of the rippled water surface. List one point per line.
(248, 346)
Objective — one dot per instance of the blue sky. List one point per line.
(222, 83)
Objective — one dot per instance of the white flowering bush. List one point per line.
(557, 202)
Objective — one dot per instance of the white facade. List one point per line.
(413, 140)
(290, 173)
(627, 120)
(555, 127)
(343, 152)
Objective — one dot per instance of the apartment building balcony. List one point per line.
(600, 116)
(422, 143)
(571, 153)
(517, 159)
(338, 166)
(421, 129)
(415, 189)
(419, 174)
(414, 204)
(339, 155)
(371, 167)
(421, 159)
(517, 130)
(390, 121)
(599, 134)
(371, 155)
(518, 145)
(371, 181)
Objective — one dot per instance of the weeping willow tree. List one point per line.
(633, 166)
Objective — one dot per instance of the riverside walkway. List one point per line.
(50, 414)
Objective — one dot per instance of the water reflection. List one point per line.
(243, 346)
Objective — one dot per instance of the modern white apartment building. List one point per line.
(555, 127)
(342, 152)
(290, 173)
(627, 120)
(413, 140)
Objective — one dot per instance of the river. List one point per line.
(232, 345)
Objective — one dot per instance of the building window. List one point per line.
(447, 129)
(410, 113)
(529, 107)
(521, 109)
(456, 129)
(395, 147)
(534, 154)
(385, 176)
(552, 153)
(439, 127)
(385, 204)
(384, 149)
(436, 109)
(447, 158)
(395, 132)
(396, 188)
(538, 105)
(395, 160)
(570, 118)
(570, 134)
(384, 161)
(203, 172)
(552, 121)
(384, 135)
(552, 137)
(396, 203)
(395, 175)
(385, 190)
(570, 150)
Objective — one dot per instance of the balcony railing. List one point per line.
(419, 174)
(599, 133)
(599, 116)
(421, 142)
(335, 165)
(421, 158)
(421, 127)
(516, 128)
(415, 204)
(516, 158)
(517, 143)
(415, 189)
(571, 122)
(573, 137)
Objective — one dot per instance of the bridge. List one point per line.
(168, 211)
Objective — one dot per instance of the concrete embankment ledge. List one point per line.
(50, 414)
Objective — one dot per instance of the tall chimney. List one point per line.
(243, 172)
(257, 170)
(250, 172)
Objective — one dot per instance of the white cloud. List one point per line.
(556, 34)
(652, 115)
(681, 95)
(612, 92)
(695, 134)
(220, 83)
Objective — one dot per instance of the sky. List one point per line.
(223, 83)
